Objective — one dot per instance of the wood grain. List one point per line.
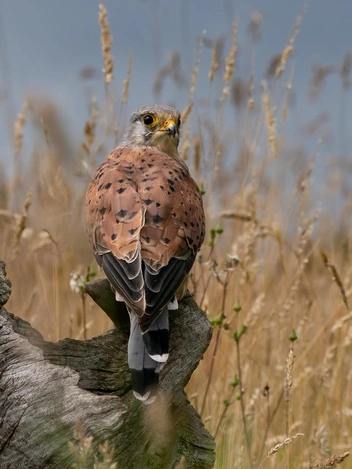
(45, 388)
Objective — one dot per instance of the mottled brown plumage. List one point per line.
(144, 215)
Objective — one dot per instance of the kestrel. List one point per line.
(145, 221)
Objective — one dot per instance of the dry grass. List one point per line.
(276, 265)
(106, 44)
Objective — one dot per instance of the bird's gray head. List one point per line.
(155, 126)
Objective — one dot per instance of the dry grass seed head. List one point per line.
(328, 364)
(106, 43)
(214, 63)
(230, 62)
(172, 69)
(85, 454)
(126, 82)
(254, 25)
(270, 120)
(251, 87)
(18, 136)
(291, 297)
(303, 257)
(91, 124)
(239, 463)
(186, 112)
(217, 48)
(281, 445)
(58, 190)
(272, 66)
(82, 450)
(303, 181)
(321, 439)
(21, 225)
(197, 157)
(346, 68)
(335, 277)
(105, 459)
(289, 373)
(244, 249)
(334, 460)
(287, 52)
(86, 166)
(195, 70)
(255, 310)
(288, 91)
(186, 145)
(239, 93)
(319, 74)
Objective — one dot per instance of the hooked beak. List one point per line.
(170, 127)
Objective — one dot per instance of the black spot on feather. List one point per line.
(147, 201)
(122, 213)
(157, 219)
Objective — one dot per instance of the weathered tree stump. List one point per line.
(45, 388)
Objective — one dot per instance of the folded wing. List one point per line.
(145, 220)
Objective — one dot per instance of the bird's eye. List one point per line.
(148, 119)
(179, 122)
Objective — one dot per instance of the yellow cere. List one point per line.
(167, 123)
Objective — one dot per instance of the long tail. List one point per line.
(147, 353)
(156, 338)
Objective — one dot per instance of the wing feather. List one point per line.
(145, 220)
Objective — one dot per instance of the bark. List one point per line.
(46, 388)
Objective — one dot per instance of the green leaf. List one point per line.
(219, 229)
(243, 330)
(235, 382)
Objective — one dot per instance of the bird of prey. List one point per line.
(145, 222)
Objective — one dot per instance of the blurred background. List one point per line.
(265, 92)
(51, 50)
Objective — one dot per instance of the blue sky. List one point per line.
(45, 44)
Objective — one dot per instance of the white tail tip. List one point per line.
(160, 358)
(145, 399)
(173, 304)
(140, 397)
